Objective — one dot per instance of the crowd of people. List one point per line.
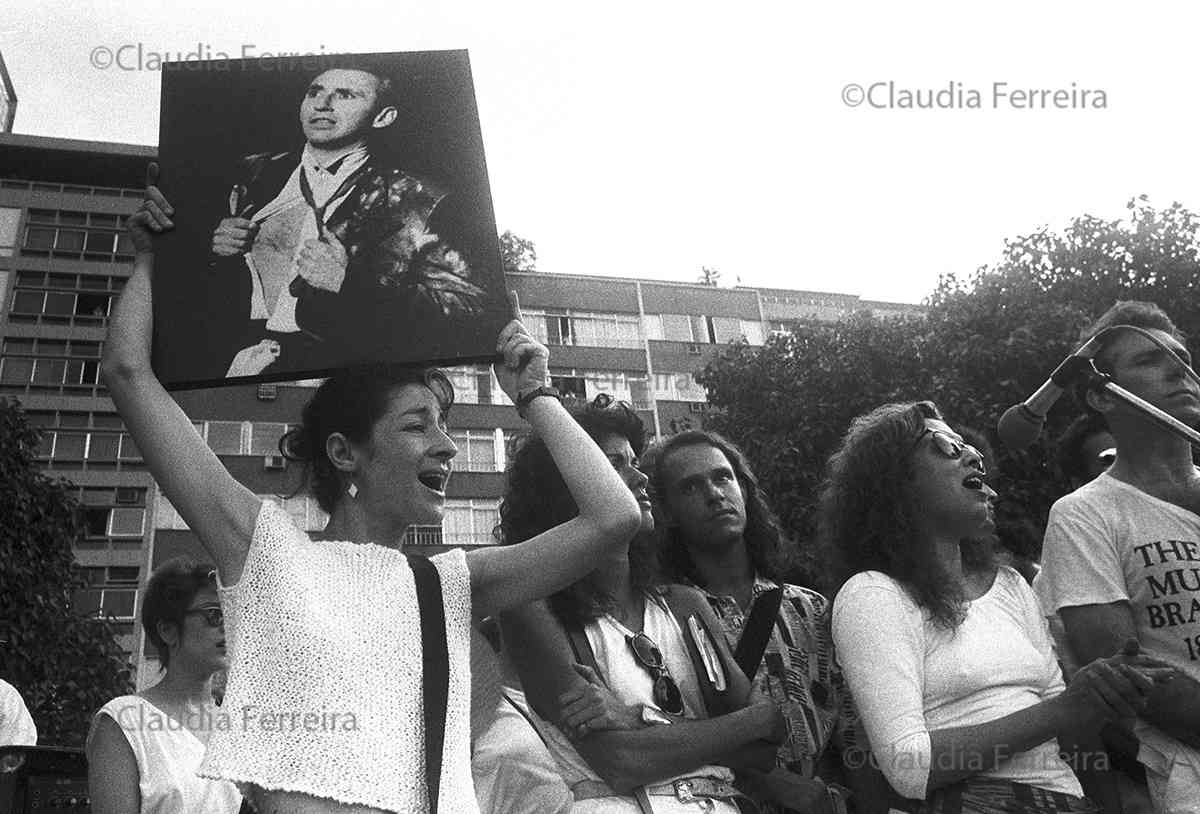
(633, 643)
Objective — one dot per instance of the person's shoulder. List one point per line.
(867, 580)
(1100, 489)
(815, 600)
(680, 594)
(1010, 581)
(114, 707)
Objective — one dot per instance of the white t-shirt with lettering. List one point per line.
(1110, 542)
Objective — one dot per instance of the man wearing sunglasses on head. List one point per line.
(1121, 552)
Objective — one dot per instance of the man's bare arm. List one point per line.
(1097, 631)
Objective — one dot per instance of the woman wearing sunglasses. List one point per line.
(609, 658)
(947, 656)
(144, 750)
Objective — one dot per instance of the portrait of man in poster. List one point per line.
(333, 252)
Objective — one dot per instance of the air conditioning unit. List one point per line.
(128, 496)
(274, 462)
(267, 392)
(694, 349)
(698, 407)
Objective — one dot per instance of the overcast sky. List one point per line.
(649, 139)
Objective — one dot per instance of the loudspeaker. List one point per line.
(37, 779)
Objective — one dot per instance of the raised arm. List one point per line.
(506, 576)
(217, 507)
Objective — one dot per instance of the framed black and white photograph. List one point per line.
(330, 211)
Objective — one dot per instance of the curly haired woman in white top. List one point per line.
(324, 691)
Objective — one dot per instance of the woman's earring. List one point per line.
(352, 490)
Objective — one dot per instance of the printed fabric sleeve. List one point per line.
(879, 637)
(1080, 563)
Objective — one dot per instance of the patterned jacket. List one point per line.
(405, 265)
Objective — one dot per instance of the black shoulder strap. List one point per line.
(581, 648)
(712, 673)
(757, 631)
(435, 669)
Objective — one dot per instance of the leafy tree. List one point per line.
(984, 345)
(65, 665)
(517, 253)
(711, 277)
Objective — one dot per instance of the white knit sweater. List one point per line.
(324, 693)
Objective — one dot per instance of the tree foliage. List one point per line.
(65, 665)
(984, 344)
(517, 253)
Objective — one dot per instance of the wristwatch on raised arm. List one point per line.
(526, 398)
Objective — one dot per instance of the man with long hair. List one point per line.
(718, 533)
(1120, 552)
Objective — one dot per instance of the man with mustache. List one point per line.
(335, 247)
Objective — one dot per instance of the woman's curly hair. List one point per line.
(866, 519)
(771, 553)
(350, 402)
(536, 499)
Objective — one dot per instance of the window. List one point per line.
(653, 324)
(752, 330)
(476, 385)
(165, 515)
(224, 437)
(10, 220)
(108, 521)
(726, 329)
(570, 386)
(677, 328)
(76, 235)
(476, 450)
(106, 601)
(585, 328)
(470, 522)
(54, 365)
(264, 437)
(639, 393)
(84, 441)
(64, 299)
(678, 387)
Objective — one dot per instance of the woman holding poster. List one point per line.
(333, 641)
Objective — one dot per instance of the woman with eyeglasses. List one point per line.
(947, 656)
(636, 674)
(143, 750)
(330, 646)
